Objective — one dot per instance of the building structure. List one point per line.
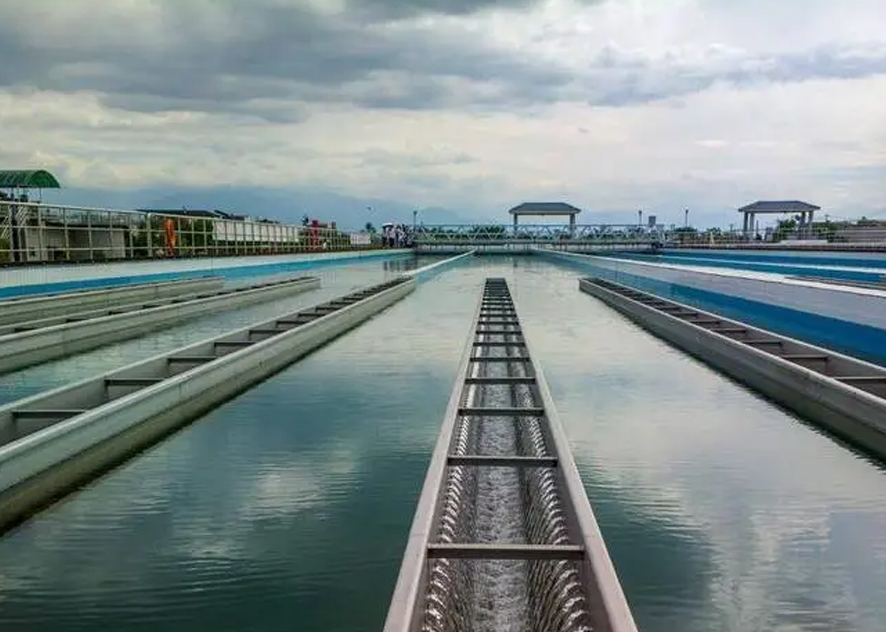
(545, 209)
(803, 210)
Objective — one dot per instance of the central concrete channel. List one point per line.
(503, 536)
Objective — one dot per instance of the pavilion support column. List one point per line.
(516, 221)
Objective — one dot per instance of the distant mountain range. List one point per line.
(291, 205)
(283, 205)
(352, 213)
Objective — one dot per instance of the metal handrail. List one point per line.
(39, 232)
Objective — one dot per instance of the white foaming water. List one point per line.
(500, 585)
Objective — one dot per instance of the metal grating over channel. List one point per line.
(503, 536)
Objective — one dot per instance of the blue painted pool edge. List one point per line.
(807, 257)
(229, 272)
(772, 267)
(858, 340)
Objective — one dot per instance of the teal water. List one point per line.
(334, 281)
(287, 508)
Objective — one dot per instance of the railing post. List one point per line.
(67, 234)
(149, 224)
(89, 233)
(41, 246)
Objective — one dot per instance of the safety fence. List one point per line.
(620, 235)
(33, 232)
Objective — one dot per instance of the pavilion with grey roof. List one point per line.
(803, 209)
(545, 209)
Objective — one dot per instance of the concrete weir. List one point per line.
(33, 307)
(38, 341)
(53, 442)
(845, 395)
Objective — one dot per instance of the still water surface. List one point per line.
(287, 508)
(334, 281)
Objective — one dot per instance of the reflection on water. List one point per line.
(288, 507)
(334, 281)
(402, 265)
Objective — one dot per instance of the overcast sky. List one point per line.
(465, 104)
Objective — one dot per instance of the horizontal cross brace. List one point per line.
(500, 332)
(194, 358)
(471, 551)
(43, 414)
(500, 380)
(501, 461)
(132, 381)
(502, 412)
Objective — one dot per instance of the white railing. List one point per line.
(617, 235)
(456, 234)
(34, 232)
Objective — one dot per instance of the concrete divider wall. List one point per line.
(805, 257)
(812, 269)
(40, 345)
(853, 414)
(39, 307)
(36, 279)
(51, 461)
(813, 324)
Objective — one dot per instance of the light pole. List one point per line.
(640, 218)
(414, 216)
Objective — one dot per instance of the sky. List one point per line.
(467, 105)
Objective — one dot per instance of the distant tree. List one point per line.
(685, 234)
(784, 228)
(370, 228)
(305, 220)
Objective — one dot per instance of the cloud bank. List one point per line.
(470, 104)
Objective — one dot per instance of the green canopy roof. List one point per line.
(37, 179)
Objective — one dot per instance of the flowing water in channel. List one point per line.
(287, 508)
